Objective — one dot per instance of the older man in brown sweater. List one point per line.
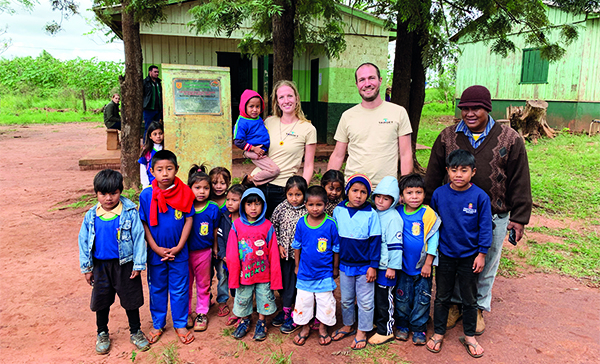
(502, 172)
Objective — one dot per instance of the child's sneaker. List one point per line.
(242, 328)
(279, 319)
(289, 326)
(419, 338)
(102, 343)
(190, 321)
(201, 322)
(139, 340)
(402, 333)
(260, 332)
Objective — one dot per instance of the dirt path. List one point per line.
(44, 301)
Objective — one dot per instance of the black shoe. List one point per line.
(242, 328)
(260, 332)
(279, 319)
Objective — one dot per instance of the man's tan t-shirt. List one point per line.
(372, 137)
(288, 156)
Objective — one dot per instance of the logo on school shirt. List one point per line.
(399, 235)
(322, 245)
(470, 210)
(204, 228)
(260, 253)
(416, 229)
(259, 243)
(386, 121)
(178, 215)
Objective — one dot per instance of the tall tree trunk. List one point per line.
(402, 65)
(283, 42)
(417, 94)
(132, 98)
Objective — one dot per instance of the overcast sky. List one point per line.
(26, 30)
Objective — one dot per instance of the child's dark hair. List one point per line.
(333, 175)
(238, 189)
(108, 181)
(298, 182)
(253, 197)
(460, 158)
(162, 155)
(197, 174)
(317, 191)
(148, 143)
(413, 180)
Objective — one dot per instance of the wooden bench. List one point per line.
(112, 139)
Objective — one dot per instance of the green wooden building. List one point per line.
(327, 87)
(571, 86)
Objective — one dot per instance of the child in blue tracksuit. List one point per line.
(360, 249)
(465, 237)
(112, 253)
(420, 225)
(251, 136)
(166, 210)
(386, 197)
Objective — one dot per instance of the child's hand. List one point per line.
(89, 278)
(296, 270)
(371, 274)
(426, 271)
(390, 273)
(134, 274)
(282, 252)
(258, 150)
(225, 260)
(215, 252)
(336, 273)
(479, 263)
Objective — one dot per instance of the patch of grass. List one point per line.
(507, 267)
(169, 355)
(83, 201)
(577, 255)
(227, 331)
(247, 161)
(42, 117)
(131, 194)
(278, 357)
(565, 175)
(236, 181)
(374, 354)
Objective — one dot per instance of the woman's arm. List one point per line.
(309, 162)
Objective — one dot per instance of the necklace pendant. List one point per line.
(281, 142)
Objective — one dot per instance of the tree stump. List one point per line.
(530, 121)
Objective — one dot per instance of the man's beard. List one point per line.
(372, 98)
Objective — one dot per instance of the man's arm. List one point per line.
(406, 156)
(337, 156)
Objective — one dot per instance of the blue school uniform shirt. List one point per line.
(466, 221)
(167, 232)
(146, 160)
(223, 208)
(413, 239)
(205, 221)
(360, 238)
(318, 244)
(106, 245)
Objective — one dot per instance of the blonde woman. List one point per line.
(292, 138)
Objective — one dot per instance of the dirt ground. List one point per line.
(44, 304)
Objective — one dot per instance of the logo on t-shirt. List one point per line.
(292, 134)
(204, 228)
(416, 229)
(386, 121)
(470, 210)
(178, 215)
(322, 245)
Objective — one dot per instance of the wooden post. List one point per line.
(83, 99)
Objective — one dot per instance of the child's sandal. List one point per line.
(223, 310)
(232, 320)
(153, 337)
(186, 338)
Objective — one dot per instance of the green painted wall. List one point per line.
(575, 77)
(560, 114)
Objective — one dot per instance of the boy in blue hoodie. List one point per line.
(420, 225)
(360, 246)
(386, 197)
(251, 136)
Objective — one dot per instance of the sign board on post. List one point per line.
(197, 115)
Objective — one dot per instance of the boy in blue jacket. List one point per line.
(251, 136)
(112, 253)
(360, 246)
(386, 197)
(465, 238)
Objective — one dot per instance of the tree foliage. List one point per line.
(225, 17)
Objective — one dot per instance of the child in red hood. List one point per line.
(251, 136)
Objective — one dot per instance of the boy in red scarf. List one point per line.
(166, 211)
